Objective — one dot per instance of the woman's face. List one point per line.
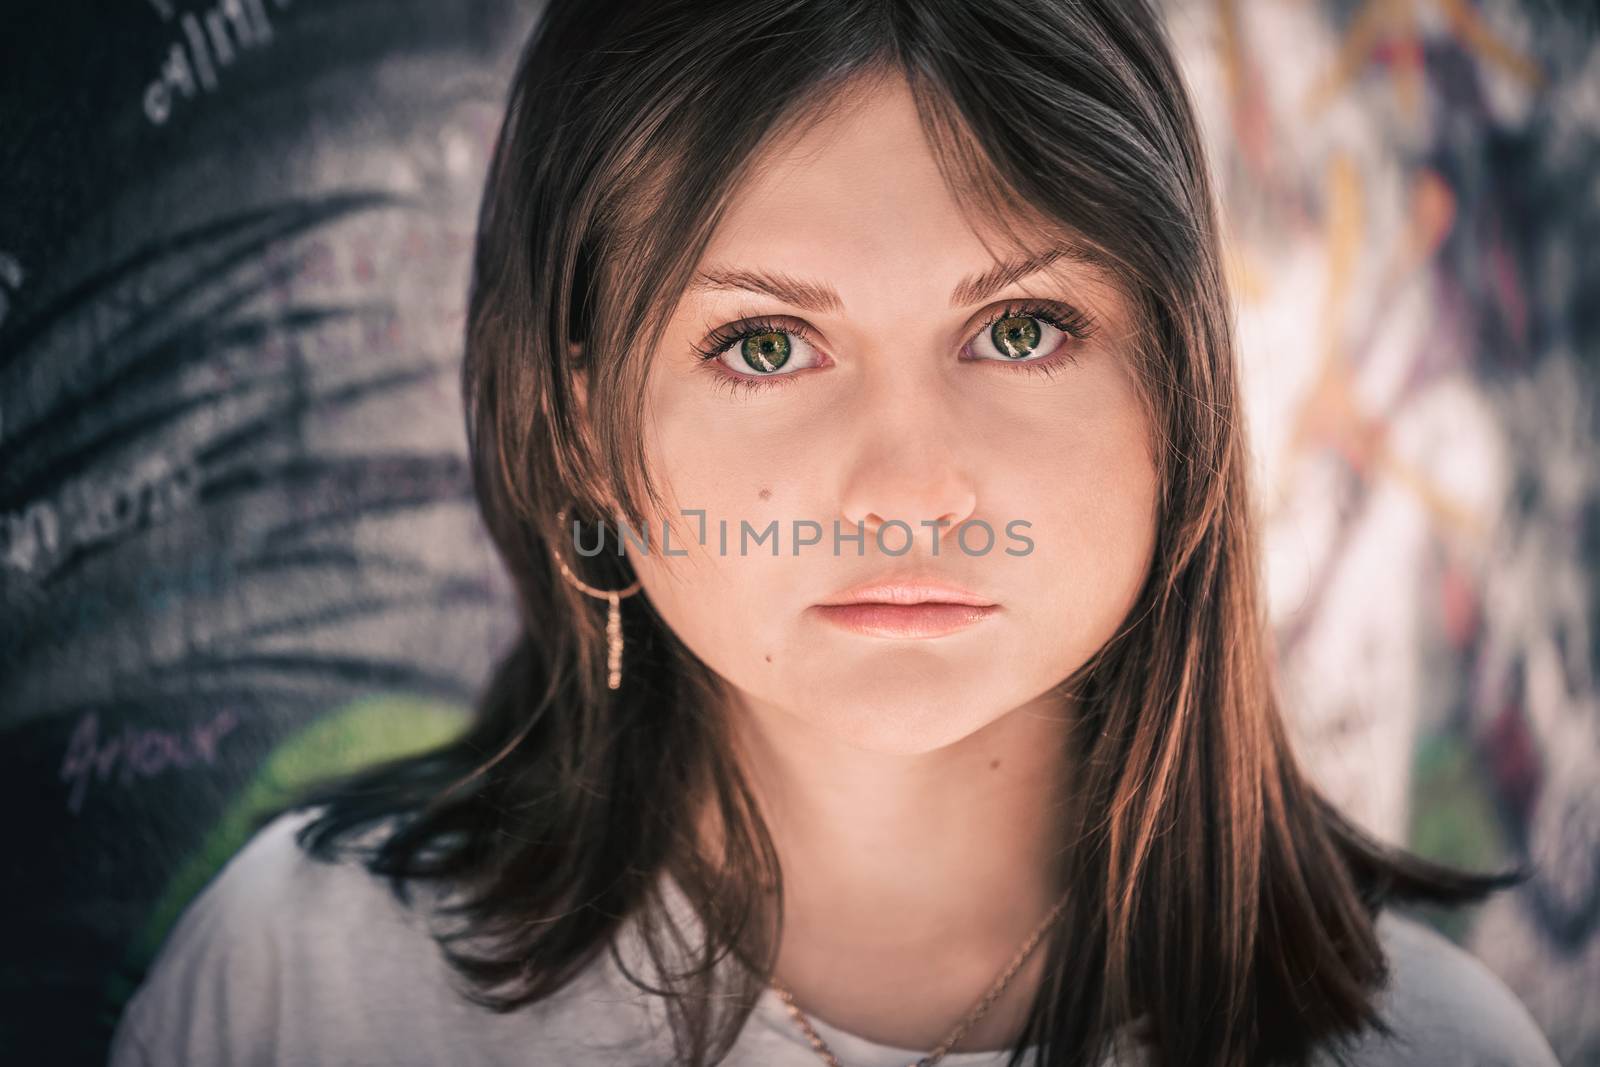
(873, 392)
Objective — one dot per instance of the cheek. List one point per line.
(1091, 497)
(708, 455)
(733, 612)
(1108, 534)
(709, 451)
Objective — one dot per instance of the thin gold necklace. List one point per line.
(943, 1047)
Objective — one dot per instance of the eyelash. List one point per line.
(1076, 324)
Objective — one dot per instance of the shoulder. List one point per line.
(273, 894)
(275, 931)
(288, 959)
(1445, 1006)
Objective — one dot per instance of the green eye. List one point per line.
(765, 352)
(1016, 336)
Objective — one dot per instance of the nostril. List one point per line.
(872, 520)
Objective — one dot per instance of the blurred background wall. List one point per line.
(237, 547)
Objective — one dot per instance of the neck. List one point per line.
(910, 880)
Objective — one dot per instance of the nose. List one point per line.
(908, 473)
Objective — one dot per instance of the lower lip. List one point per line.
(905, 620)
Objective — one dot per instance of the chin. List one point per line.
(906, 721)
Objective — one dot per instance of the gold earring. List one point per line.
(613, 598)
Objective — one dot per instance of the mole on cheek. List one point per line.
(769, 657)
(994, 764)
(766, 494)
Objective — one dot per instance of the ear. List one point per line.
(580, 396)
(580, 386)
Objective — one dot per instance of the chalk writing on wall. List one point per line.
(138, 752)
(96, 508)
(211, 42)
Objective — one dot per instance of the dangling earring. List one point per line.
(613, 598)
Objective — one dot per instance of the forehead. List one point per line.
(850, 195)
(865, 157)
(856, 196)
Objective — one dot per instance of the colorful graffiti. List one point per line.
(237, 549)
(237, 545)
(1408, 188)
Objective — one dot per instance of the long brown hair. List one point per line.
(1211, 890)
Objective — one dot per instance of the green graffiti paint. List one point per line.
(363, 732)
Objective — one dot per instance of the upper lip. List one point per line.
(908, 591)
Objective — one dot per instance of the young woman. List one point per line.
(926, 711)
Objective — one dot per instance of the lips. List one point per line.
(928, 619)
(908, 591)
(906, 608)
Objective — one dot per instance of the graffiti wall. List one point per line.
(237, 548)
(1411, 196)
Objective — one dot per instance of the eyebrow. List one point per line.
(821, 298)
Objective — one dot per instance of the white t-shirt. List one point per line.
(284, 959)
